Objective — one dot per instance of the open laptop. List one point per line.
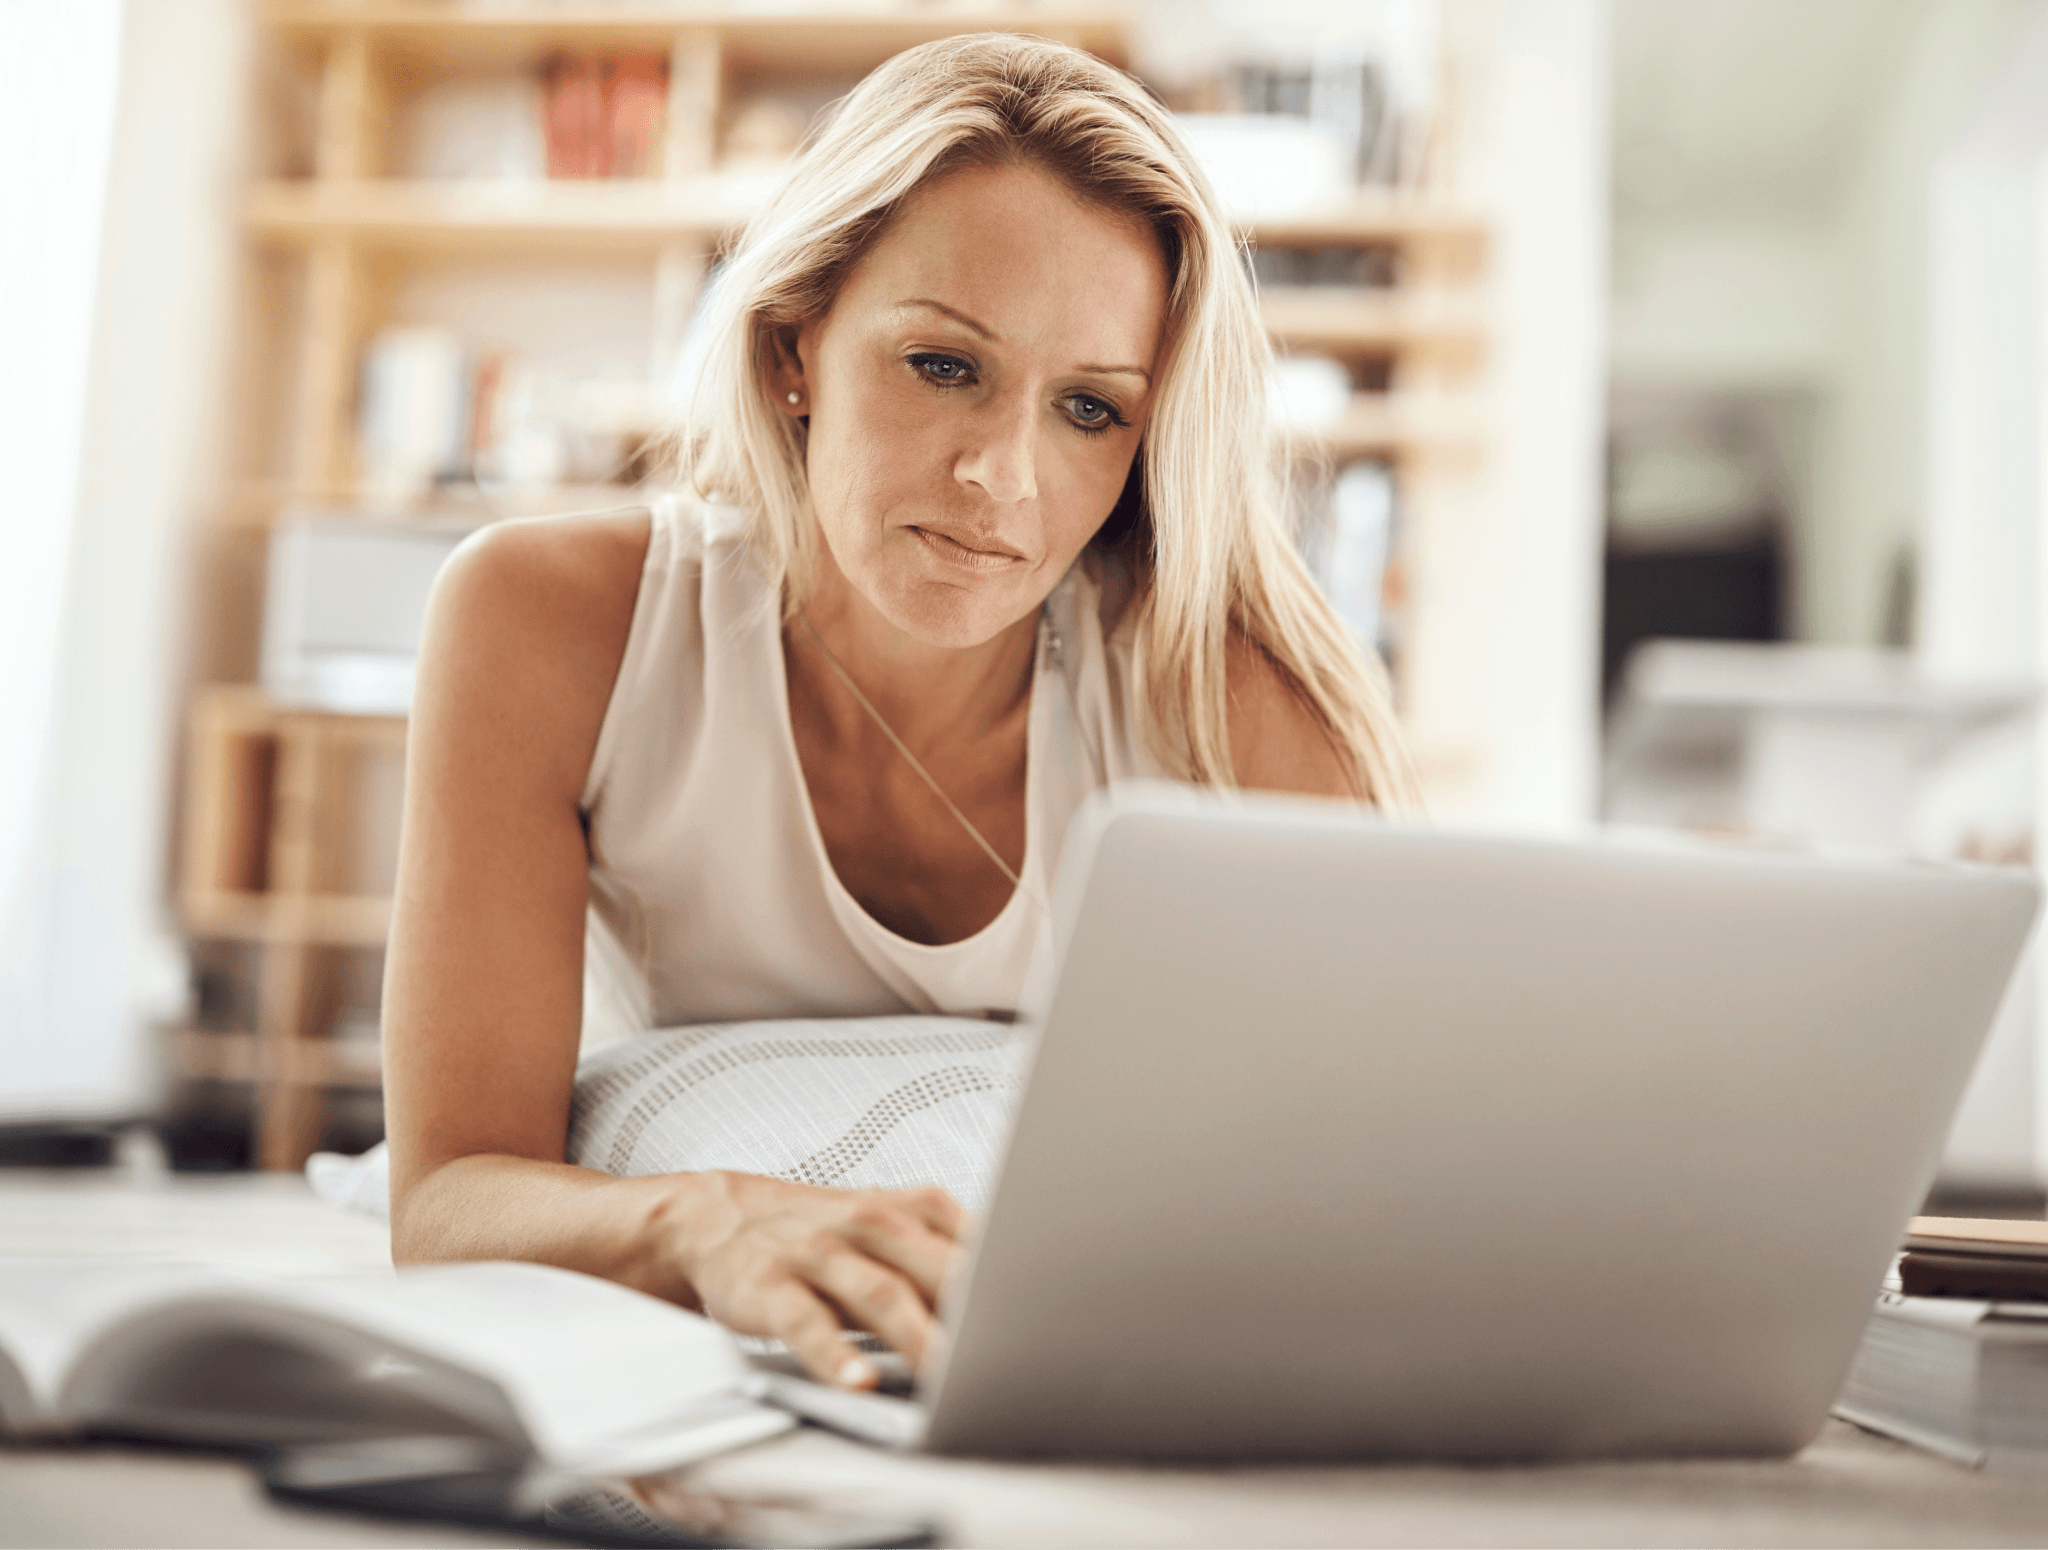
(1345, 1139)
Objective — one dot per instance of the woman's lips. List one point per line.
(953, 551)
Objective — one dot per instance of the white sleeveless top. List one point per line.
(712, 897)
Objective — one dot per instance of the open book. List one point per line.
(555, 1369)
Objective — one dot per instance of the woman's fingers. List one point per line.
(872, 1295)
(937, 1209)
(886, 1231)
(804, 1264)
(799, 1318)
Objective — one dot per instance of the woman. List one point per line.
(992, 523)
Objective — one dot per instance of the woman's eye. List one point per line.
(945, 370)
(1092, 413)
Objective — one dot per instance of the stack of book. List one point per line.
(1955, 1358)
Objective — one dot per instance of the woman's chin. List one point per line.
(956, 617)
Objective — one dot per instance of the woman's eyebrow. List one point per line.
(952, 312)
(1118, 371)
(989, 334)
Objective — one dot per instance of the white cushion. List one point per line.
(857, 1103)
(854, 1103)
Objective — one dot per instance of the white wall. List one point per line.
(1504, 661)
(87, 957)
(1724, 303)
(1986, 495)
(1873, 455)
(49, 266)
(1831, 299)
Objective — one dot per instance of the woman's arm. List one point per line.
(484, 981)
(1276, 744)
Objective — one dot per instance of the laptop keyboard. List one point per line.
(883, 1419)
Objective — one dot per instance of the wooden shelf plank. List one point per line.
(215, 1056)
(457, 508)
(642, 212)
(247, 708)
(1349, 321)
(1395, 426)
(1370, 219)
(223, 1056)
(325, 920)
(539, 212)
(825, 42)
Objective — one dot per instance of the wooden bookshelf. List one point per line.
(271, 857)
(269, 833)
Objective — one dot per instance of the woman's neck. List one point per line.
(926, 693)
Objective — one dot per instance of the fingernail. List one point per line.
(858, 1373)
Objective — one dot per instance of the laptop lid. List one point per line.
(1349, 1139)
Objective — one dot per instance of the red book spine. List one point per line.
(575, 118)
(636, 91)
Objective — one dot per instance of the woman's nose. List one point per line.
(1001, 458)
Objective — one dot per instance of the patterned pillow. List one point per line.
(859, 1103)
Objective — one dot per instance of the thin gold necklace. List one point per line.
(889, 732)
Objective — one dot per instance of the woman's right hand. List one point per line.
(802, 1264)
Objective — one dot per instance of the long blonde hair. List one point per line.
(1202, 516)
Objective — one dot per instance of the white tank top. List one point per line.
(712, 897)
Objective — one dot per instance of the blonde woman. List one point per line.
(987, 520)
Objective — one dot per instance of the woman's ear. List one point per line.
(786, 375)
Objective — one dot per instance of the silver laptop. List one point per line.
(1345, 1139)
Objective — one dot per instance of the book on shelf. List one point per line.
(546, 1369)
(1964, 1376)
(636, 108)
(440, 412)
(416, 412)
(473, 127)
(603, 117)
(573, 117)
(1348, 546)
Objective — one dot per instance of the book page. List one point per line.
(18, 1408)
(580, 1371)
(591, 1367)
(52, 1308)
(1995, 1236)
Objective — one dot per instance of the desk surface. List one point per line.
(1849, 1488)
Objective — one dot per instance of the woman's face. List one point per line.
(976, 393)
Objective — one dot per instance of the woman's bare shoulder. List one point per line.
(1276, 742)
(580, 572)
(527, 628)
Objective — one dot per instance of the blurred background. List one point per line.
(1662, 382)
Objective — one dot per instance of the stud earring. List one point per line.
(796, 398)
